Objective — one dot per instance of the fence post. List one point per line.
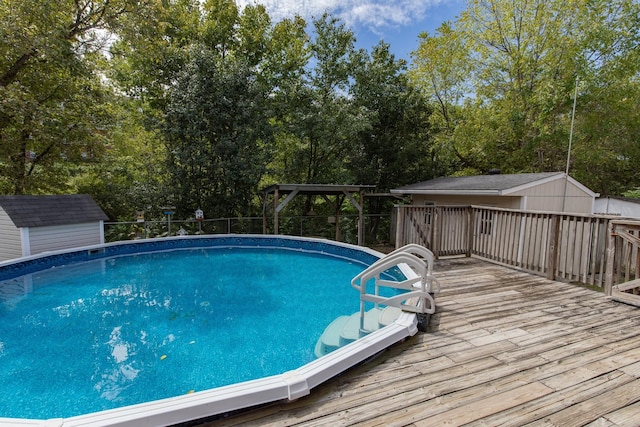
(554, 235)
(470, 226)
(436, 231)
(611, 258)
(399, 226)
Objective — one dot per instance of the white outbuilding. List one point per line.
(624, 207)
(34, 224)
(544, 192)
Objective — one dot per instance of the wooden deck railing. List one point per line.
(559, 246)
(623, 262)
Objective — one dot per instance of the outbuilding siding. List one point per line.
(10, 242)
(548, 197)
(506, 202)
(30, 225)
(623, 207)
(64, 236)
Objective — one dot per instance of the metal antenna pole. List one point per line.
(566, 171)
(573, 115)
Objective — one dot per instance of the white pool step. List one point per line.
(388, 316)
(346, 329)
(351, 329)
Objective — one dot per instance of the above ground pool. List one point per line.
(166, 331)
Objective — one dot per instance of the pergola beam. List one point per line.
(324, 190)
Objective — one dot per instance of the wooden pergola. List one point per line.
(339, 192)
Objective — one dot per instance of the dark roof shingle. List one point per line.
(41, 211)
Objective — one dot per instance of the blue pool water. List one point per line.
(122, 330)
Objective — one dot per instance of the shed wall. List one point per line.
(611, 206)
(548, 197)
(10, 241)
(506, 202)
(59, 237)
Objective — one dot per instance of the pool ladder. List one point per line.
(420, 286)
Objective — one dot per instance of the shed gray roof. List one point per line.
(41, 211)
(486, 184)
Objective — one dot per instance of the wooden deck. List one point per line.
(505, 348)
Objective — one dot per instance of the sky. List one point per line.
(397, 22)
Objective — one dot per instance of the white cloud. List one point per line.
(376, 15)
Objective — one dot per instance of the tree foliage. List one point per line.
(317, 127)
(52, 110)
(395, 148)
(516, 65)
(441, 71)
(218, 135)
(131, 175)
(199, 103)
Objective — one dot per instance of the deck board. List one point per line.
(505, 348)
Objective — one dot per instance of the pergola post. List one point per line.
(325, 190)
(276, 196)
(360, 208)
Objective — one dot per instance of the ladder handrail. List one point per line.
(384, 264)
(398, 301)
(421, 267)
(428, 257)
(416, 249)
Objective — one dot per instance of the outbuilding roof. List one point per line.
(497, 184)
(41, 211)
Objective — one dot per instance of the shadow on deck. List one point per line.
(504, 348)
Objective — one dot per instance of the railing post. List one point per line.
(399, 226)
(552, 261)
(436, 230)
(470, 225)
(611, 257)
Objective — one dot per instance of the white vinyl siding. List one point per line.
(10, 242)
(613, 206)
(64, 236)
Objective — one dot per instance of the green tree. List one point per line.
(131, 175)
(608, 105)
(213, 78)
(320, 123)
(521, 61)
(217, 133)
(441, 69)
(52, 113)
(396, 148)
(151, 49)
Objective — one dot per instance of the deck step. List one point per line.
(346, 329)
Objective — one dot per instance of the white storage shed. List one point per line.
(624, 207)
(33, 224)
(545, 192)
